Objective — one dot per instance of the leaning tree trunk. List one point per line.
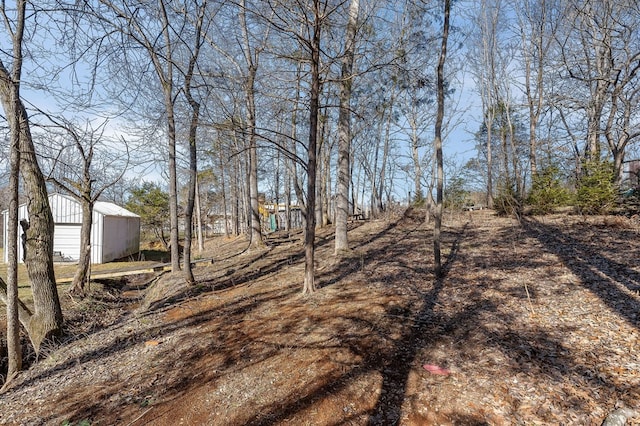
(24, 314)
(47, 318)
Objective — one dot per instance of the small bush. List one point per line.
(455, 196)
(507, 202)
(547, 192)
(596, 192)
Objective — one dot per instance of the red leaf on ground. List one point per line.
(435, 369)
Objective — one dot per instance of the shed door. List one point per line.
(66, 240)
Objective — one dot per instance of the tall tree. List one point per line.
(251, 57)
(344, 130)
(151, 28)
(438, 140)
(14, 349)
(47, 319)
(313, 46)
(194, 123)
(485, 61)
(537, 31)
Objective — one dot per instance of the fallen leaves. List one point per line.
(387, 343)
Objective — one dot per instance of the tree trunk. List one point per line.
(344, 131)
(415, 155)
(224, 197)
(256, 226)
(47, 318)
(252, 69)
(489, 163)
(24, 314)
(14, 349)
(319, 173)
(193, 148)
(438, 141)
(314, 107)
(82, 271)
(193, 175)
(199, 218)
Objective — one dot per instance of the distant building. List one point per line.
(115, 232)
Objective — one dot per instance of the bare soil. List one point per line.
(532, 324)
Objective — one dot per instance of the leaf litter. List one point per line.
(533, 323)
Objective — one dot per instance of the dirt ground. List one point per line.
(531, 325)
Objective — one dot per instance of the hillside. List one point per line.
(538, 324)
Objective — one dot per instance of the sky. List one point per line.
(458, 143)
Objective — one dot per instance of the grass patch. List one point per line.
(68, 270)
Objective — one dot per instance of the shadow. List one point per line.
(262, 264)
(395, 375)
(611, 281)
(257, 354)
(250, 268)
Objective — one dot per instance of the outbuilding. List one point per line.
(115, 232)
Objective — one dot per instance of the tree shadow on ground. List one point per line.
(395, 375)
(613, 282)
(381, 320)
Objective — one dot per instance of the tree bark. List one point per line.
(193, 175)
(193, 151)
(14, 349)
(82, 271)
(309, 285)
(24, 314)
(252, 69)
(344, 132)
(438, 141)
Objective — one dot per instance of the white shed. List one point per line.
(115, 232)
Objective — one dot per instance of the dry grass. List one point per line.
(63, 270)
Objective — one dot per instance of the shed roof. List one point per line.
(103, 207)
(111, 209)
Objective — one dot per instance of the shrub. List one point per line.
(547, 191)
(507, 202)
(455, 196)
(596, 192)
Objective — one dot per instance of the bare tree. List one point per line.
(251, 56)
(438, 140)
(47, 319)
(537, 31)
(151, 28)
(344, 130)
(193, 132)
(14, 349)
(85, 183)
(599, 53)
(313, 46)
(485, 61)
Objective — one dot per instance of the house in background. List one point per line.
(115, 232)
